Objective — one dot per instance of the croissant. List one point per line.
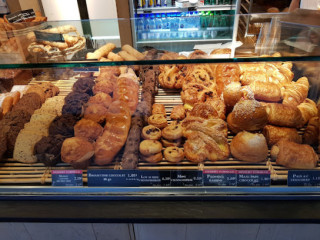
(294, 155)
(115, 133)
(295, 92)
(311, 133)
(283, 115)
(308, 109)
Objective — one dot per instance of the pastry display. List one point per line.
(294, 155)
(274, 134)
(77, 151)
(249, 147)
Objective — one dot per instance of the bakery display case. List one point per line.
(118, 123)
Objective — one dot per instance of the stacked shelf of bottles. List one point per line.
(184, 25)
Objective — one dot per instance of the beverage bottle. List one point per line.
(169, 3)
(207, 2)
(152, 23)
(197, 19)
(140, 25)
(163, 3)
(139, 4)
(165, 21)
(158, 3)
(182, 20)
(158, 21)
(173, 2)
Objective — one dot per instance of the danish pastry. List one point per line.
(158, 108)
(151, 132)
(178, 113)
(150, 147)
(158, 120)
(169, 143)
(173, 154)
(152, 158)
(172, 132)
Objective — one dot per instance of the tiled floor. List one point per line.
(87, 231)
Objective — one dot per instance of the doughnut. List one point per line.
(151, 132)
(173, 154)
(150, 147)
(172, 132)
(158, 120)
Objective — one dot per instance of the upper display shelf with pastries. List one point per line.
(101, 43)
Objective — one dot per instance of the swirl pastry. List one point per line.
(158, 108)
(158, 120)
(151, 132)
(172, 132)
(173, 154)
(150, 147)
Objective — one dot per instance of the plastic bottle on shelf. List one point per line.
(181, 20)
(197, 19)
(158, 22)
(140, 23)
(158, 3)
(139, 3)
(163, 3)
(165, 21)
(152, 23)
(207, 2)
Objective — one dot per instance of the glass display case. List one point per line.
(110, 123)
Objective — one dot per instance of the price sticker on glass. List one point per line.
(67, 178)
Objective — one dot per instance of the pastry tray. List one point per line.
(13, 173)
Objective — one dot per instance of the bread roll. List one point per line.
(274, 134)
(247, 115)
(284, 116)
(294, 155)
(249, 147)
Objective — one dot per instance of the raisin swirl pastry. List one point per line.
(172, 132)
(151, 132)
(158, 120)
(173, 154)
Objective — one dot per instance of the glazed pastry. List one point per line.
(178, 113)
(158, 108)
(88, 129)
(249, 147)
(101, 98)
(172, 132)
(152, 158)
(158, 120)
(226, 73)
(77, 152)
(296, 92)
(274, 134)
(283, 115)
(96, 113)
(311, 134)
(115, 133)
(247, 115)
(308, 109)
(169, 143)
(268, 92)
(294, 155)
(150, 147)
(173, 154)
(151, 132)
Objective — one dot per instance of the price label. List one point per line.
(303, 178)
(51, 37)
(155, 178)
(113, 178)
(220, 177)
(253, 178)
(21, 16)
(186, 178)
(67, 178)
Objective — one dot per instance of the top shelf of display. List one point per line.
(62, 44)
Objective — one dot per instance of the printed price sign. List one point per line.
(253, 178)
(67, 178)
(303, 178)
(220, 177)
(113, 178)
(186, 178)
(51, 37)
(155, 178)
(21, 16)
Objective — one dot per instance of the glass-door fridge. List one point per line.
(180, 25)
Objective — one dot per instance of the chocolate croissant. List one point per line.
(268, 92)
(274, 134)
(311, 133)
